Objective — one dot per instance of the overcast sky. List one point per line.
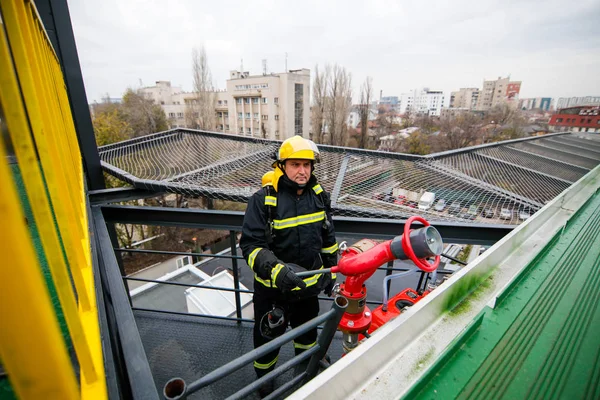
(552, 46)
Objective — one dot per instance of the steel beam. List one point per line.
(533, 171)
(573, 145)
(138, 369)
(116, 195)
(575, 152)
(582, 142)
(452, 232)
(338, 182)
(563, 152)
(534, 155)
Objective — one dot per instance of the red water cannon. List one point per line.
(360, 261)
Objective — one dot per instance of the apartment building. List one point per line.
(536, 103)
(423, 101)
(500, 91)
(576, 119)
(465, 98)
(272, 106)
(564, 102)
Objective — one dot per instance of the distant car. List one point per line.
(400, 200)
(389, 198)
(440, 205)
(524, 214)
(464, 215)
(473, 211)
(411, 204)
(506, 213)
(455, 208)
(426, 201)
(488, 212)
(378, 196)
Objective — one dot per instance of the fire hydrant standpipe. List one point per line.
(360, 261)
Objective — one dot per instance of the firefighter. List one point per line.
(288, 228)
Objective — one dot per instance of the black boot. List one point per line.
(266, 388)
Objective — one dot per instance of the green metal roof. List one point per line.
(542, 339)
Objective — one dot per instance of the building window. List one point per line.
(240, 115)
(276, 134)
(180, 115)
(247, 115)
(265, 117)
(246, 100)
(298, 108)
(226, 114)
(276, 117)
(241, 129)
(255, 100)
(238, 100)
(227, 128)
(224, 102)
(276, 100)
(255, 115)
(265, 100)
(559, 120)
(249, 131)
(219, 102)
(171, 115)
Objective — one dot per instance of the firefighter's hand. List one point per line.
(328, 284)
(285, 279)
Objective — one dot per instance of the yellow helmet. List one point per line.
(267, 178)
(298, 147)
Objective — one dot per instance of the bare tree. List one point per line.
(201, 109)
(319, 100)
(340, 101)
(460, 131)
(141, 113)
(501, 114)
(366, 92)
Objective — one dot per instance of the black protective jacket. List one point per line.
(303, 231)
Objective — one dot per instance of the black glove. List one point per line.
(286, 279)
(328, 284)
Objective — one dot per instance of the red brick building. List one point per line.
(576, 119)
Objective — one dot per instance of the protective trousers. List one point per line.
(297, 313)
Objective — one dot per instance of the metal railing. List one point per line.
(176, 388)
(216, 220)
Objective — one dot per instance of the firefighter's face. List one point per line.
(298, 170)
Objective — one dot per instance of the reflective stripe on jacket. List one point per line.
(298, 226)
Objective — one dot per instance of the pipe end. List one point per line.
(175, 389)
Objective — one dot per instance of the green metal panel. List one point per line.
(542, 340)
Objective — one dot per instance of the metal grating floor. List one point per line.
(190, 347)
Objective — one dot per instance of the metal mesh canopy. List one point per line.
(503, 182)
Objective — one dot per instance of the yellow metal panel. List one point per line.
(31, 345)
(36, 95)
(89, 354)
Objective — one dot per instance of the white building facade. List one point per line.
(422, 102)
(271, 106)
(564, 102)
